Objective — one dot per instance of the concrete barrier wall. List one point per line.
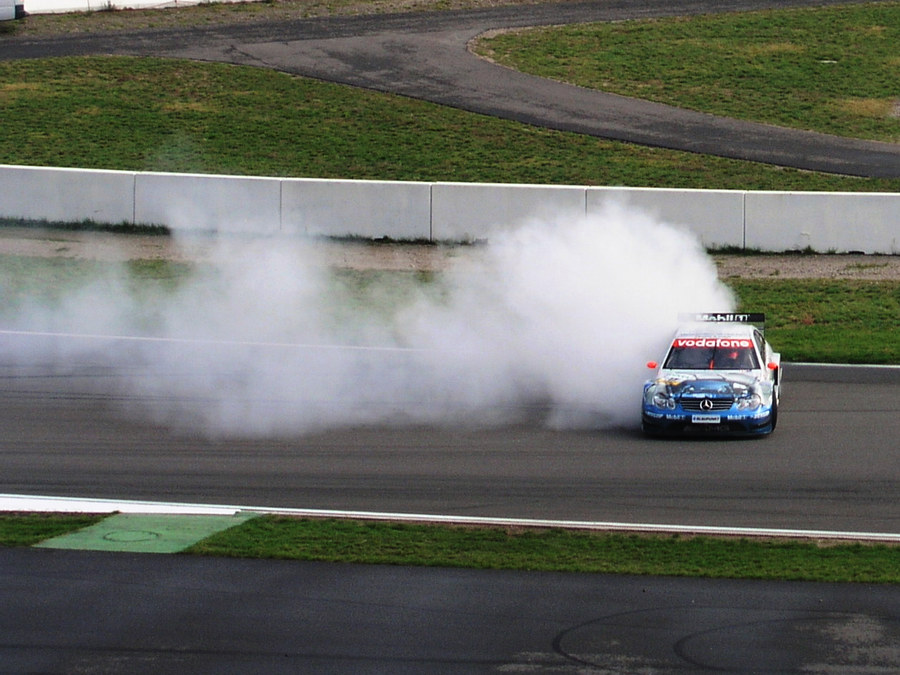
(477, 211)
(716, 217)
(203, 202)
(66, 195)
(823, 221)
(58, 6)
(770, 221)
(369, 209)
(11, 9)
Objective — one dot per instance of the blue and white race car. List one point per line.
(719, 375)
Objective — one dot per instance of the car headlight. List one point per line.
(661, 399)
(751, 402)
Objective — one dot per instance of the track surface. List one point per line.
(424, 55)
(831, 465)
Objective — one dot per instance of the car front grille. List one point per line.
(718, 404)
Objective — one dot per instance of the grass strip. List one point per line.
(151, 114)
(27, 529)
(827, 321)
(280, 537)
(814, 320)
(828, 69)
(551, 550)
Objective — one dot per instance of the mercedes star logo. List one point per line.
(706, 404)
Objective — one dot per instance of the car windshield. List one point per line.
(712, 358)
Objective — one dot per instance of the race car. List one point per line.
(719, 376)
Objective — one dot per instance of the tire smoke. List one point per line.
(552, 321)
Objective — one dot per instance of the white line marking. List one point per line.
(298, 345)
(30, 503)
(199, 341)
(847, 366)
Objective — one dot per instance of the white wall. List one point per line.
(716, 217)
(823, 221)
(474, 211)
(56, 6)
(770, 221)
(369, 209)
(203, 202)
(7, 10)
(66, 195)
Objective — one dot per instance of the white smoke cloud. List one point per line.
(551, 320)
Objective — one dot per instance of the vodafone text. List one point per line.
(720, 343)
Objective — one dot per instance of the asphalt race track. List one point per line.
(830, 465)
(81, 431)
(424, 55)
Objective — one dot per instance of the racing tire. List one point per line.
(774, 414)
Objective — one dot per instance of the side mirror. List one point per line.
(652, 364)
(772, 366)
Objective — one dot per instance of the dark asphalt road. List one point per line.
(424, 55)
(77, 612)
(83, 431)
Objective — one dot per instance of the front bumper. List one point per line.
(737, 422)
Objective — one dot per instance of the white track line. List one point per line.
(35, 504)
(28, 503)
(301, 345)
(199, 341)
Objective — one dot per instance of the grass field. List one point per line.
(124, 113)
(829, 69)
(815, 320)
(827, 321)
(154, 114)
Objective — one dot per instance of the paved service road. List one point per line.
(831, 465)
(74, 612)
(425, 55)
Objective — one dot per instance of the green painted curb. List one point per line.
(137, 533)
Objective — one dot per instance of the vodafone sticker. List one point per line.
(721, 343)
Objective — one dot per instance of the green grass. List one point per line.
(832, 69)
(815, 320)
(50, 281)
(825, 321)
(558, 550)
(27, 529)
(551, 550)
(171, 115)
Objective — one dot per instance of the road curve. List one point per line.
(424, 55)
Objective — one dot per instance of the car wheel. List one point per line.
(774, 414)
